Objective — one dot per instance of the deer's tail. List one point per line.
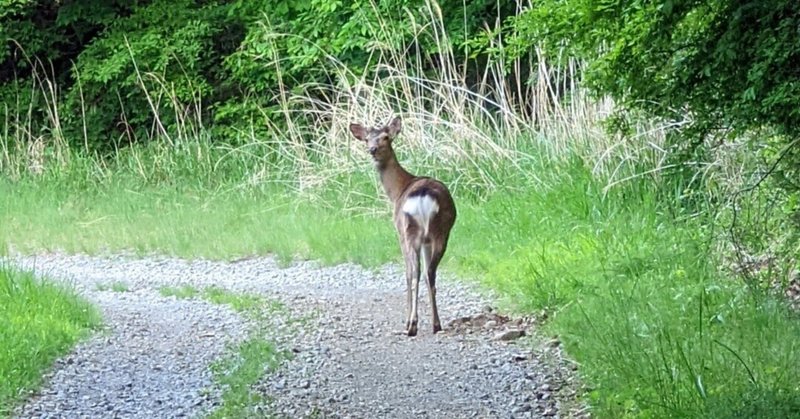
(422, 208)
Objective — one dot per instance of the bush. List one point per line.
(113, 72)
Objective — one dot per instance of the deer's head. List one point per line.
(379, 139)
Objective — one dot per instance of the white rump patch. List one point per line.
(421, 208)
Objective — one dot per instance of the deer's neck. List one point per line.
(394, 178)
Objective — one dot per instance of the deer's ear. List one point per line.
(394, 127)
(359, 131)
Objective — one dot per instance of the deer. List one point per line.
(424, 214)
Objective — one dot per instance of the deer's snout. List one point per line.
(373, 150)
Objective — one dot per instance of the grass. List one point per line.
(247, 361)
(155, 220)
(632, 286)
(39, 322)
(114, 286)
(239, 372)
(252, 305)
(183, 292)
(640, 301)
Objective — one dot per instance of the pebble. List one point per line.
(509, 335)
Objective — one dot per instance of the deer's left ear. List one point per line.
(394, 127)
(359, 131)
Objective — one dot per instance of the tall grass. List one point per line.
(554, 213)
(471, 128)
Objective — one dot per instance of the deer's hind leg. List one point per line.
(432, 254)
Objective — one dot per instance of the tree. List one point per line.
(723, 64)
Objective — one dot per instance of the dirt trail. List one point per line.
(349, 359)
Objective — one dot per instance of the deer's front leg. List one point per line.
(409, 268)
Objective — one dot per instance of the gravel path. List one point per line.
(349, 360)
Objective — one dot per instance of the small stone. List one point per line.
(509, 335)
(521, 408)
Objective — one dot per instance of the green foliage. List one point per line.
(182, 292)
(715, 71)
(240, 372)
(39, 322)
(147, 72)
(114, 286)
(724, 64)
(126, 72)
(637, 297)
(123, 214)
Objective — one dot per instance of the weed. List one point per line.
(115, 286)
(247, 361)
(182, 292)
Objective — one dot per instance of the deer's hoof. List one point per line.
(412, 329)
(437, 328)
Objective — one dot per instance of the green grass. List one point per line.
(247, 361)
(114, 286)
(640, 302)
(252, 305)
(239, 372)
(186, 222)
(632, 287)
(39, 322)
(182, 292)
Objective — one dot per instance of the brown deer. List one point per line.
(424, 213)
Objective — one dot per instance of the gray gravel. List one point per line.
(349, 359)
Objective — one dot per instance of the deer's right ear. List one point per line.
(359, 131)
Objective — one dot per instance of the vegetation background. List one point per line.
(628, 169)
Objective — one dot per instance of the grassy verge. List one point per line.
(640, 301)
(38, 323)
(249, 360)
(186, 222)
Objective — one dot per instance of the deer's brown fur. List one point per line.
(424, 214)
